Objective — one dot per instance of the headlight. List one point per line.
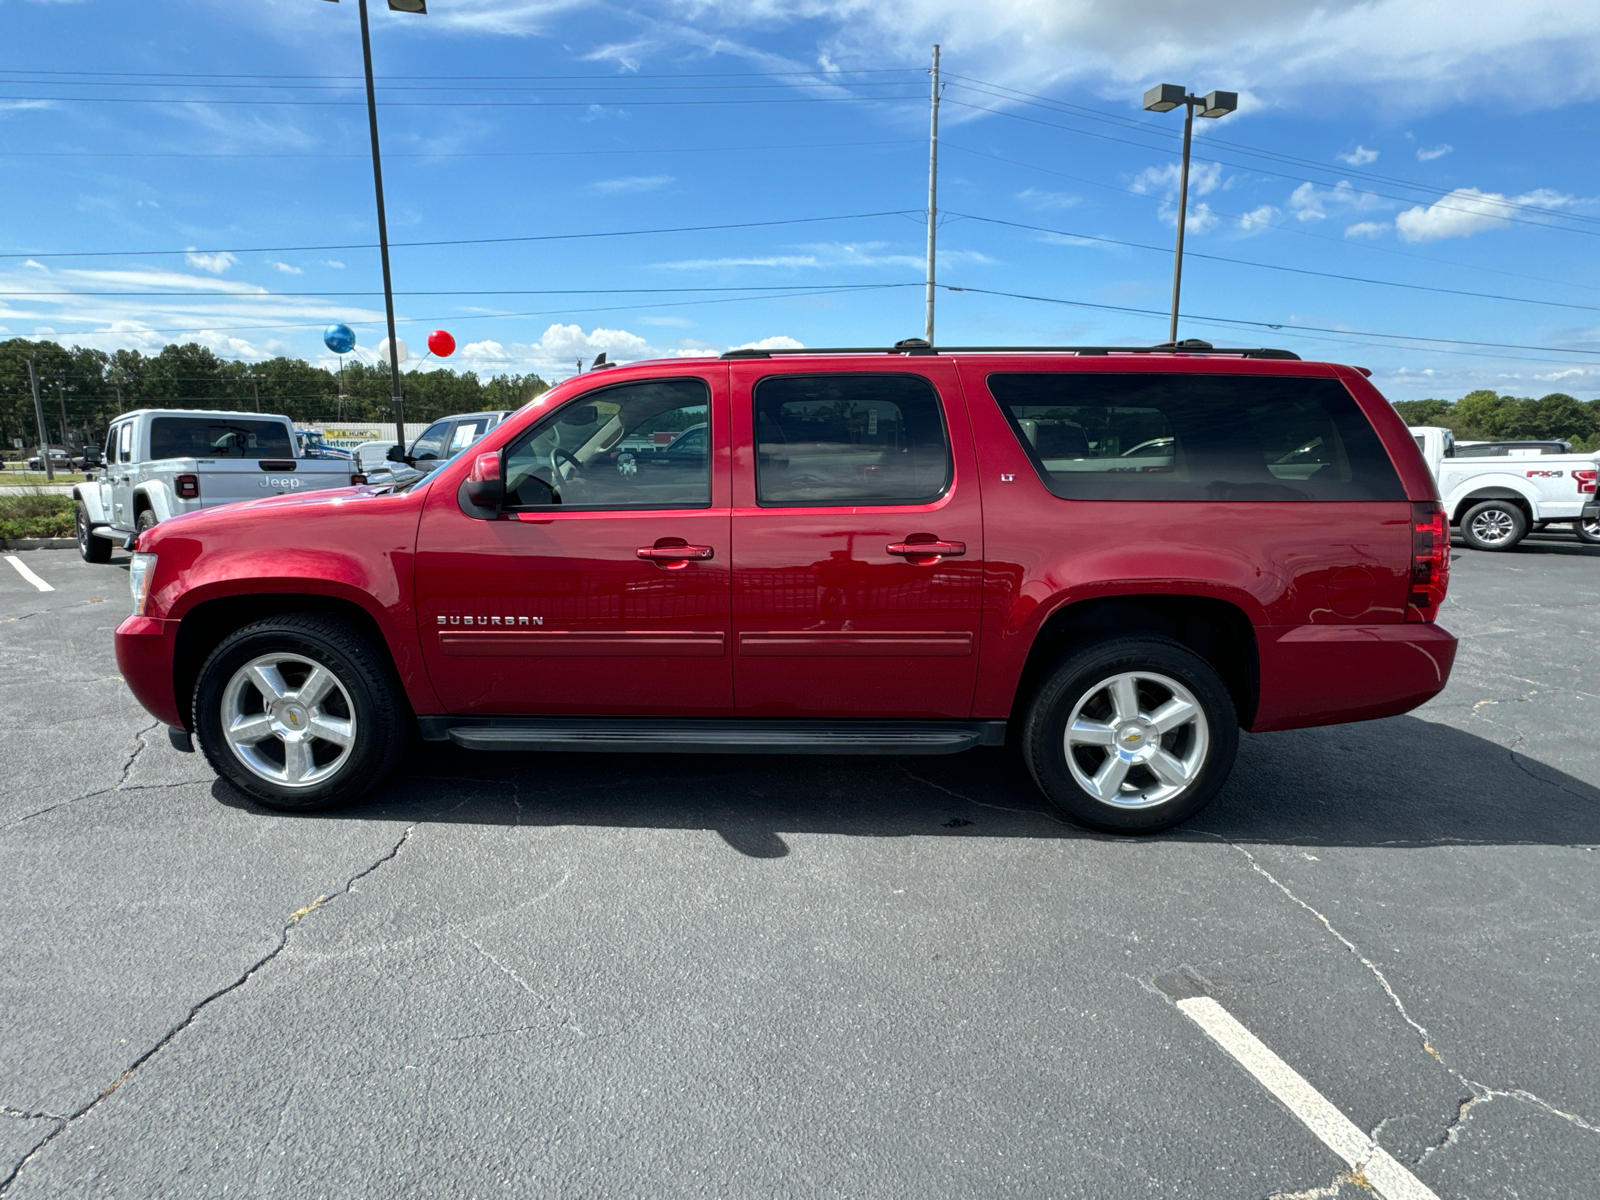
(139, 575)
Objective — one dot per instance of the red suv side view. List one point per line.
(1110, 559)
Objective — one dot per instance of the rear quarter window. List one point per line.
(1133, 436)
(214, 437)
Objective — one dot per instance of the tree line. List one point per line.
(82, 390)
(1487, 416)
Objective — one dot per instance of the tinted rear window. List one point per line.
(1196, 437)
(213, 437)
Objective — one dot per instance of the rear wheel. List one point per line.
(1587, 531)
(93, 549)
(299, 712)
(146, 520)
(1134, 735)
(1494, 525)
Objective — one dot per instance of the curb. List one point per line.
(39, 544)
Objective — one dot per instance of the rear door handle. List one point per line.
(927, 549)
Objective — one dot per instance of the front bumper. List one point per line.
(146, 650)
(1330, 674)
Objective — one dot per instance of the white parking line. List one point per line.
(27, 574)
(1383, 1172)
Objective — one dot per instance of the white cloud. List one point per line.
(1308, 202)
(1359, 157)
(1043, 201)
(1366, 229)
(1259, 218)
(829, 254)
(485, 351)
(215, 263)
(1467, 211)
(630, 185)
(1429, 153)
(779, 342)
(334, 263)
(1204, 178)
(287, 269)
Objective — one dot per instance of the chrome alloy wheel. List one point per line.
(288, 719)
(1136, 739)
(1493, 526)
(1591, 529)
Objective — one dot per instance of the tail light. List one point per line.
(1430, 561)
(1586, 481)
(188, 487)
(357, 479)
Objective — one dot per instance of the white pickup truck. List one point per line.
(159, 463)
(1494, 502)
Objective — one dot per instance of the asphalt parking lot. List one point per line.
(617, 975)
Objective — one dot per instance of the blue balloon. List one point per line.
(341, 339)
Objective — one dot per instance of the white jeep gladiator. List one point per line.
(159, 463)
(1494, 502)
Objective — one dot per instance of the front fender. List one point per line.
(89, 497)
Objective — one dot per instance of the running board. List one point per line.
(646, 735)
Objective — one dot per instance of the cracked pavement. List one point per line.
(535, 975)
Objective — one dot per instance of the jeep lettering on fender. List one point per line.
(789, 552)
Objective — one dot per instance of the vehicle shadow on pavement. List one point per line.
(1401, 782)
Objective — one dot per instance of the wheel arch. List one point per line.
(1218, 631)
(1479, 495)
(204, 627)
(90, 499)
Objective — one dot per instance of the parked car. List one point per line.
(1494, 502)
(439, 441)
(164, 463)
(373, 456)
(60, 460)
(901, 553)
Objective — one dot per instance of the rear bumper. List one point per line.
(1591, 512)
(1329, 674)
(145, 652)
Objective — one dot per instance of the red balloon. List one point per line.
(441, 343)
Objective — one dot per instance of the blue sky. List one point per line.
(1450, 147)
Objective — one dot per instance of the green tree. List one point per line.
(1423, 412)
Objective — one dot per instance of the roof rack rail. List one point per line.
(916, 346)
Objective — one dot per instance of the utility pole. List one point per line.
(255, 390)
(61, 394)
(38, 414)
(119, 398)
(933, 190)
(383, 237)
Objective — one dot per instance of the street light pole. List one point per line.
(1165, 97)
(38, 415)
(933, 192)
(413, 6)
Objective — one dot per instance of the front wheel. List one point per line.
(1587, 531)
(93, 549)
(1494, 525)
(299, 712)
(1134, 735)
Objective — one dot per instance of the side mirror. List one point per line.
(396, 454)
(486, 486)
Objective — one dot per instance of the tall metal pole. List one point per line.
(38, 415)
(933, 191)
(61, 395)
(383, 234)
(1183, 212)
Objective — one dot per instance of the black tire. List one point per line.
(366, 693)
(1494, 525)
(1587, 531)
(145, 520)
(1207, 746)
(93, 549)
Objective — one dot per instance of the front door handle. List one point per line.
(674, 554)
(928, 550)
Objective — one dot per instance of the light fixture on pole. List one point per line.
(405, 6)
(1165, 97)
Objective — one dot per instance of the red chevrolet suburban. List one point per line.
(1111, 559)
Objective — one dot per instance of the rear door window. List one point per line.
(218, 437)
(1105, 436)
(849, 440)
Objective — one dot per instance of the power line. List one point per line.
(1285, 326)
(444, 103)
(1245, 262)
(463, 153)
(264, 295)
(547, 237)
(826, 74)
